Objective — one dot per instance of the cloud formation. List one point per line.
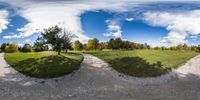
(12, 36)
(66, 14)
(3, 20)
(181, 25)
(114, 29)
(42, 14)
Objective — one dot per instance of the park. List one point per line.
(94, 62)
(134, 59)
(99, 50)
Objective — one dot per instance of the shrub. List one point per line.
(3, 46)
(27, 48)
(11, 48)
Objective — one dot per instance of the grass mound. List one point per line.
(44, 64)
(144, 63)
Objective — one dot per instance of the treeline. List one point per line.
(10, 48)
(55, 37)
(51, 37)
(92, 44)
(114, 44)
(184, 47)
(119, 44)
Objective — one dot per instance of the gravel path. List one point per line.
(95, 80)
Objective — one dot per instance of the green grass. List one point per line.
(44, 64)
(144, 63)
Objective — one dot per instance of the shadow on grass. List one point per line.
(47, 67)
(136, 66)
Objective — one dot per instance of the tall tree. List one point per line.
(59, 38)
(77, 45)
(115, 43)
(93, 44)
(198, 48)
(66, 38)
(40, 45)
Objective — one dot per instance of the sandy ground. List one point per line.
(96, 81)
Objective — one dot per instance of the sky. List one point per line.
(156, 22)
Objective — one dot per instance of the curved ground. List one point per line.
(95, 80)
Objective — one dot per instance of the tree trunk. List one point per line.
(59, 51)
(66, 50)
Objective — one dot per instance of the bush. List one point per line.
(3, 46)
(27, 48)
(11, 48)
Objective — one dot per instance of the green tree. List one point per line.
(11, 48)
(198, 48)
(93, 44)
(111, 43)
(40, 45)
(27, 48)
(66, 39)
(77, 45)
(3, 46)
(59, 38)
(115, 43)
(126, 45)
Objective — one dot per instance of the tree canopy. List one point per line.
(77, 45)
(59, 38)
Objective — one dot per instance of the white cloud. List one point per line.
(180, 25)
(3, 20)
(114, 29)
(12, 36)
(129, 19)
(27, 41)
(45, 14)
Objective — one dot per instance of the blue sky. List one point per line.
(156, 23)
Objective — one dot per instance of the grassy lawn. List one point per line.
(44, 64)
(144, 63)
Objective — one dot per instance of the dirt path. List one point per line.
(95, 80)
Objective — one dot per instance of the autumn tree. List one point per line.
(93, 44)
(115, 43)
(11, 48)
(77, 45)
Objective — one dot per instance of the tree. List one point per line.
(111, 43)
(66, 39)
(126, 45)
(3, 46)
(59, 38)
(11, 48)
(103, 45)
(77, 45)
(198, 48)
(173, 48)
(27, 48)
(93, 44)
(118, 43)
(40, 45)
(115, 43)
